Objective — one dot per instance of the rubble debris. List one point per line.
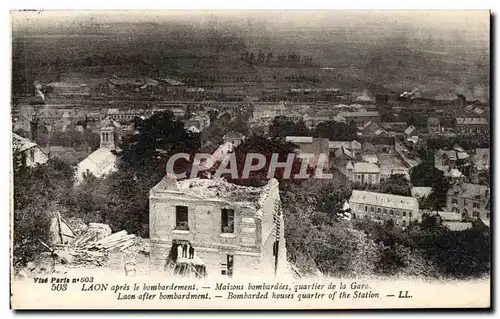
(60, 232)
(90, 247)
(94, 232)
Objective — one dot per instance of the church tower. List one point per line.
(107, 134)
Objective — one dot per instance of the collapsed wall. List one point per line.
(245, 248)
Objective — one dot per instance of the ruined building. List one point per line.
(220, 228)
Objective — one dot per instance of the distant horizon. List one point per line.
(469, 25)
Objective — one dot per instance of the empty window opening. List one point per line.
(227, 221)
(181, 218)
(227, 265)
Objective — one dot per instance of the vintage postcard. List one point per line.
(250, 160)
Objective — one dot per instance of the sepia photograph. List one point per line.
(252, 159)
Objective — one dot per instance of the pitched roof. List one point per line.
(381, 199)
(22, 143)
(369, 147)
(193, 129)
(101, 162)
(471, 120)
(370, 158)
(433, 120)
(451, 154)
(462, 155)
(478, 111)
(414, 139)
(421, 192)
(338, 152)
(299, 139)
(349, 165)
(358, 114)
(352, 145)
(455, 173)
(457, 225)
(381, 132)
(233, 135)
(171, 81)
(410, 129)
(472, 191)
(365, 167)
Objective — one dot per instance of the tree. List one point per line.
(484, 177)
(141, 165)
(93, 140)
(426, 174)
(269, 58)
(336, 131)
(266, 147)
(282, 127)
(37, 191)
(239, 125)
(396, 184)
(331, 199)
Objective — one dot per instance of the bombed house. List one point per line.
(215, 228)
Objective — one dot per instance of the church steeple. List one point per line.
(107, 134)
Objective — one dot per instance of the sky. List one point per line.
(466, 24)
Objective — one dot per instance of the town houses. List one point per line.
(234, 231)
(402, 210)
(472, 125)
(471, 201)
(393, 154)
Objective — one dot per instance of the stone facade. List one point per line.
(383, 207)
(257, 223)
(469, 200)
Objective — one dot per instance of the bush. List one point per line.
(30, 224)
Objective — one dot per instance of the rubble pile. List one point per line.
(90, 248)
(219, 187)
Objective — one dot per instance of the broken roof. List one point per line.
(216, 189)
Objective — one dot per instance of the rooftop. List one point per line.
(471, 120)
(101, 162)
(410, 129)
(345, 144)
(421, 192)
(216, 189)
(22, 143)
(381, 199)
(233, 135)
(433, 120)
(365, 167)
(299, 139)
(473, 191)
(457, 225)
(358, 114)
